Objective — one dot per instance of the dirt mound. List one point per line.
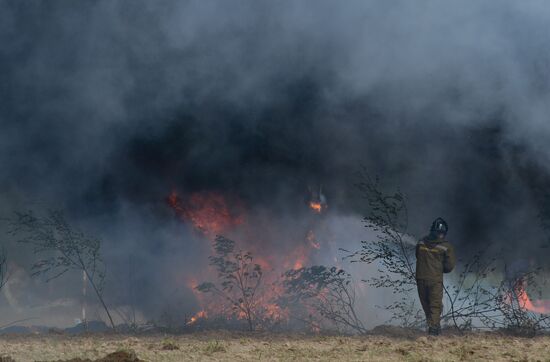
(168, 346)
(396, 331)
(120, 356)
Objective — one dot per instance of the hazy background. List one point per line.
(108, 106)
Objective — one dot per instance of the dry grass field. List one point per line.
(231, 346)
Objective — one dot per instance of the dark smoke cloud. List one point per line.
(106, 106)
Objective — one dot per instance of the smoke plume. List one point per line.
(106, 107)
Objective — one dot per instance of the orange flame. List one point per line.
(311, 238)
(300, 257)
(207, 211)
(316, 206)
(200, 315)
(211, 213)
(537, 306)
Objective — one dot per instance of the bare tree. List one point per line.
(239, 280)
(65, 249)
(3, 268)
(470, 298)
(392, 249)
(327, 291)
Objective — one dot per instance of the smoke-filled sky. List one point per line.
(108, 106)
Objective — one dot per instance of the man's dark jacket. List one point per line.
(433, 258)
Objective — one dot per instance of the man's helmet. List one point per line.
(439, 226)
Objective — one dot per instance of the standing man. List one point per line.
(434, 256)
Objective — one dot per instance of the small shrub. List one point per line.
(214, 346)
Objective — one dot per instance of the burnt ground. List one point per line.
(385, 345)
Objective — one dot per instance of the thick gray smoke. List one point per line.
(108, 106)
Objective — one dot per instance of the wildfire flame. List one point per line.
(310, 237)
(317, 201)
(208, 212)
(199, 315)
(537, 306)
(211, 213)
(316, 206)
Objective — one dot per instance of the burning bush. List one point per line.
(240, 283)
(322, 291)
(518, 314)
(309, 295)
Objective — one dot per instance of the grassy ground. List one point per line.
(231, 346)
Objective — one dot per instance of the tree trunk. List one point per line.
(101, 301)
